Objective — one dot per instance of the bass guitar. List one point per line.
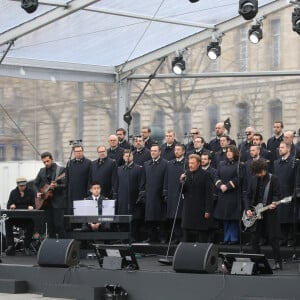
(258, 210)
(46, 191)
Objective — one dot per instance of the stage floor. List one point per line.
(153, 281)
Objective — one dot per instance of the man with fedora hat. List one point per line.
(22, 197)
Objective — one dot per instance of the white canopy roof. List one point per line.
(80, 39)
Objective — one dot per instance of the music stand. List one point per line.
(246, 263)
(116, 257)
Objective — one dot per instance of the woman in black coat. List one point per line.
(228, 183)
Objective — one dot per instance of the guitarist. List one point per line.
(56, 199)
(264, 188)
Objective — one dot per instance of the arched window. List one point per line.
(158, 126)
(213, 118)
(136, 123)
(243, 116)
(275, 110)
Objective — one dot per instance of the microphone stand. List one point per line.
(166, 260)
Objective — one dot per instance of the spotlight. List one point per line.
(29, 6)
(248, 9)
(194, 1)
(255, 34)
(213, 50)
(296, 19)
(178, 65)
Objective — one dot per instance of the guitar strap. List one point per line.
(58, 168)
(266, 192)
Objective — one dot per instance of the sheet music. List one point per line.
(85, 208)
(108, 207)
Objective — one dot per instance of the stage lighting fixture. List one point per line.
(255, 34)
(296, 19)
(194, 1)
(29, 6)
(248, 9)
(178, 65)
(213, 50)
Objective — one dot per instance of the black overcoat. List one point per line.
(154, 175)
(198, 199)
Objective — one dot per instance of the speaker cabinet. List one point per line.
(195, 258)
(58, 253)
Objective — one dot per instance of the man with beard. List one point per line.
(121, 134)
(198, 202)
(53, 176)
(140, 154)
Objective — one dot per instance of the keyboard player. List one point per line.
(22, 197)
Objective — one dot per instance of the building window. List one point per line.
(136, 123)
(275, 43)
(17, 151)
(2, 152)
(243, 115)
(158, 126)
(243, 49)
(213, 117)
(275, 110)
(186, 120)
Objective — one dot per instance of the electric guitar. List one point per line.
(42, 202)
(258, 210)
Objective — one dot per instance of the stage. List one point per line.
(22, 274)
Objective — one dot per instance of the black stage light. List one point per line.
(213, 50)
(255, 34)
(29, 6)
(178, 65)
(248, 9)
(296, 19)
(194, 1)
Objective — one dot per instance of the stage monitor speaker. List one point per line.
(58, 253)
(195, 258)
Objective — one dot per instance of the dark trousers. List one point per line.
(157, 230)
(193, 236)
(273, 241)
(55, 222)
(25, 224)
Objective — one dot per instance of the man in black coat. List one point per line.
(140, 154)
(174, 191)
(167, 149)
(264, 188)
(77, 177)
(104, 171)
(121, 134)
(285, 169)
(154, 195)
(274, 141)
(126, 191)
(56, 205)
(198, 202)
(146, 135)
(22, 197)
(114, 151)
(214, 144)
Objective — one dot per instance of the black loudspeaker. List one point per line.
(195, 258)
(58, 253)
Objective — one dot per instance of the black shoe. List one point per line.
(233, 243)
(277, 266)
(27, 252)
(10, 251)
(224, 243)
